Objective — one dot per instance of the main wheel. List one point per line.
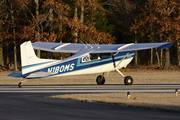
(100, 80)
(128, 80)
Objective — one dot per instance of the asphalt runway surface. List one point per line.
(32, 102)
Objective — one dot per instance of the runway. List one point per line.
(83, 88)
(32, 102)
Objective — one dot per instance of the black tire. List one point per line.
(100, 80)
(20, 85)
(128, 80)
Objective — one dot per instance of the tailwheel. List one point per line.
(128, 80)
(100, 80)
(20, 85)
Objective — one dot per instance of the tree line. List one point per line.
(90, 21)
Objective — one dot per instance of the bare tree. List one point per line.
(1, 52)
(75, 20)
(11, 9)
(178, 52)
(38, 29)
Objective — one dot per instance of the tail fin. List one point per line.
(29, 61)
(28, 56)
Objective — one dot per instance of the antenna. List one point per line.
(95, 44)
(84, 44)
(89, 45)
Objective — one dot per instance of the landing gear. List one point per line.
(20, 85)
(100, 80)
(128, 80)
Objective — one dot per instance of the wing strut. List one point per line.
(119, 64)
(127, 79)
(122, 59)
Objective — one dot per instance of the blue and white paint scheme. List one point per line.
(89, 59)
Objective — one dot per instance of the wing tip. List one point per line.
(165, 45)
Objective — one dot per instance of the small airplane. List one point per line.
(89, 59)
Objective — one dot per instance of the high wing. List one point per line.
(130, 47)
(58, 47)
(102, 48)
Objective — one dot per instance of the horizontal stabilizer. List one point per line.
(39, 75)
(15, 74)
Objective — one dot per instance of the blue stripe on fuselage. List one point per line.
(34, 65)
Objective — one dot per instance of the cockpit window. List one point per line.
(95, 56)
(105, 55)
